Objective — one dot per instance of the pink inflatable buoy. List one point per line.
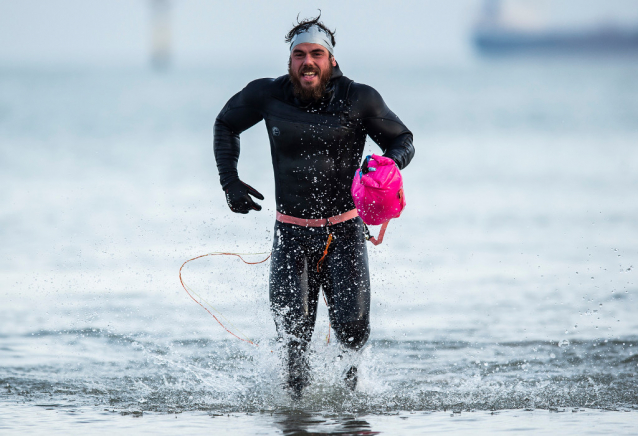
(378, 194)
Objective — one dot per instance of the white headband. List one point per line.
(314, 35)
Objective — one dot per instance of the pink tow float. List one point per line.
(378, 194)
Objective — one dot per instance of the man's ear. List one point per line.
(334, 62)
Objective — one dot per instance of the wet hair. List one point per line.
(304, 25)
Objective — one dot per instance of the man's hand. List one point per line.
(364, 165)
(238, 199)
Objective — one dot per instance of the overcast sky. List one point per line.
(117, 32)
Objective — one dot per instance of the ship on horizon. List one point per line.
(497, 35)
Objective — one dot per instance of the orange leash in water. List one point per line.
(191, 292)
(205, 308)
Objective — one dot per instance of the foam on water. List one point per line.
(148, 371)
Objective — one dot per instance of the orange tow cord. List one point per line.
(205, 308)
(325, 253)
(246, 262)
(319, 265)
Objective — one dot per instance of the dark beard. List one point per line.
(308, 94)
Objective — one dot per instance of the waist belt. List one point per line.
(318, 222)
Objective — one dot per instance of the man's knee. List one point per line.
(353, 334)
(294, 327)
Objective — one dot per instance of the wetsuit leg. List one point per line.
(295, 285)
(346, 283)
(294, 291)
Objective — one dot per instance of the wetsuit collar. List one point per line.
(336, 72)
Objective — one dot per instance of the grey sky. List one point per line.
(94, 32)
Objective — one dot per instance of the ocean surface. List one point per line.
(504, 298)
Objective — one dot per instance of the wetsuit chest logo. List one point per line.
(275, 131)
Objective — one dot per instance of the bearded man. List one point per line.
(317, 121)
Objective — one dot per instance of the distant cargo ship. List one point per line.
(506, 41)
(495, 36)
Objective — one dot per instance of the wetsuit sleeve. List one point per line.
(383, 126)
(241, 112)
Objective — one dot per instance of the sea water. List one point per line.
(504, 298)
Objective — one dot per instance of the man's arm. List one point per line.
(240, 113)
(383, 126)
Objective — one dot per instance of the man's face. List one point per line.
(310, 69)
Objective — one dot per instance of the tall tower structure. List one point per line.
(160, 34)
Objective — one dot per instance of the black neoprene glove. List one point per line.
(364, 165)
(238, 199)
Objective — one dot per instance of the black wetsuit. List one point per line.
(316, 148)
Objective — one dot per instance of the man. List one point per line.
(317, 121)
